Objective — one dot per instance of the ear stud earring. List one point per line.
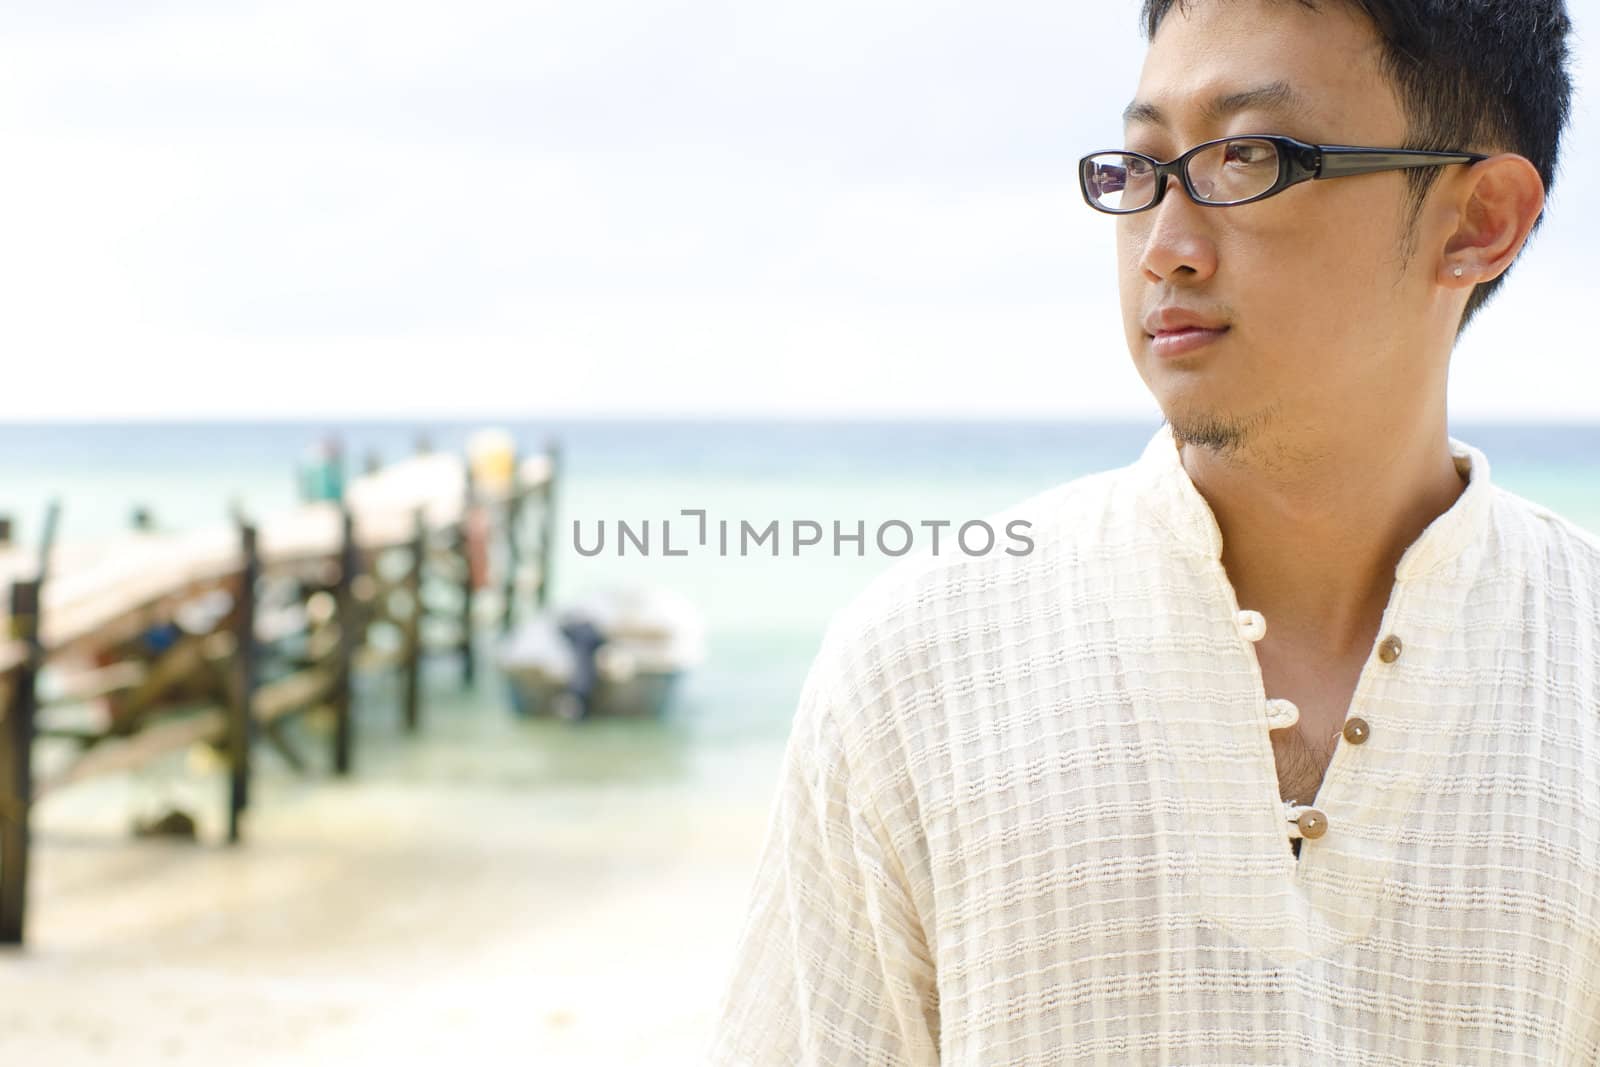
(1459, 272)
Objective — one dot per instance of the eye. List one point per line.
(1249, 154)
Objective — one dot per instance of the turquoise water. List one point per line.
(764, 615)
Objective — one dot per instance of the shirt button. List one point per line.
(1389, 651)
(1312, 823)
(1253, 625)
(1281, 713)
(1356, 731)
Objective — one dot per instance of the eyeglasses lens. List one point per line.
(1234, 171)
(1118, 182)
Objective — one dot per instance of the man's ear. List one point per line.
(1498, 202)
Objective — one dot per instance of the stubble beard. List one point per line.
(1220, 433)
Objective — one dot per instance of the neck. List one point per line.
(1313, 526)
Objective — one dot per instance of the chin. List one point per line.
(1221, 430)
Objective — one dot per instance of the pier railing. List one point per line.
(157, 642)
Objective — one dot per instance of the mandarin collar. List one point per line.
(1179, 506)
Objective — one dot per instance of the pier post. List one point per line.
(513, 545)
(547, 524)
(241, 710)
(464, 546)
(413, 626)
(344, 598)
(47, 538)
(16, 763)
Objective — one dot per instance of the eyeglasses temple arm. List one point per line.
(1340, 162)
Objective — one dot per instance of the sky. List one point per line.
(315, 208)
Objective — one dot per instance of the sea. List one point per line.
(764, 614)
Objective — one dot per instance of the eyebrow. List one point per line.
(1277, 95)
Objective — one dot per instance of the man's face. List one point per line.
(1322, 317)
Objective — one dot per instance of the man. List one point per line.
(1283, 746)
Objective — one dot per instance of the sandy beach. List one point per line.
(493, 891)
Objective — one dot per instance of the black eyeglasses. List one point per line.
(1238, 170)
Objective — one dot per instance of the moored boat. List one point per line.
(618, 652)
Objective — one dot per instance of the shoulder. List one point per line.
(1541, 536)
(1554, 560)
(1031, 537)
(925, 620)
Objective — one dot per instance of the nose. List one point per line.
(1173, 240)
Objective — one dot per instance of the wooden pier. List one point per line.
(150, 643)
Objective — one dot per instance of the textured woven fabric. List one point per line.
(1030, 813)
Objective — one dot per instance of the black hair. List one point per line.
(1484, 75)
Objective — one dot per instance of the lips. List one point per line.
(1175, 319)
(1176, 331)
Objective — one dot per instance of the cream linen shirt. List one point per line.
(1030, 814)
